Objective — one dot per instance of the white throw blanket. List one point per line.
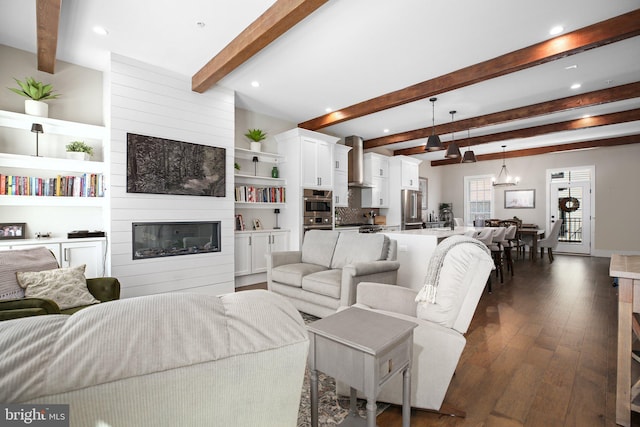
(430, 288)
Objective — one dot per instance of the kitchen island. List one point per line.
(415, 248)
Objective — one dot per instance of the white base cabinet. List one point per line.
(251, 248)
(69, 252)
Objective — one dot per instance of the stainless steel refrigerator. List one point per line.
(411, 211)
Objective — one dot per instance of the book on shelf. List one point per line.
(252, 194)
(85, 185)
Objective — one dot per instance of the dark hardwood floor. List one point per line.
(541, 351)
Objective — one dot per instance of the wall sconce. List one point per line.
(37, 129)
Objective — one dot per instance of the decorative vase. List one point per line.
(36, 108)
(77, 155)
(274, 172)
(256, 146)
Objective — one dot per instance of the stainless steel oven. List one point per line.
(318, 209)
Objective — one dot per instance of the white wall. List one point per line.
(151, 101)
(617, 201)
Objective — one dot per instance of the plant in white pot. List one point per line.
(36, 92)
(255, 136)
(78, 150)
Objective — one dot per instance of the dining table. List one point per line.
(535, 233)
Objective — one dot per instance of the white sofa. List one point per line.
(163, 360)
(323, 275)
(439, 337)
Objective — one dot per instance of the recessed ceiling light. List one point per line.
(571, 67)
(385, 130)
(255, 83)
(556, 30)
(328, 109)
(102, 31)
(586, 116)
(200, 24)
(576, 86)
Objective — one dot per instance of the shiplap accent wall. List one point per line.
(148, 100)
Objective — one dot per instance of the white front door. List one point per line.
(571, 202)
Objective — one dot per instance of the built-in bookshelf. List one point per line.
(258, 188)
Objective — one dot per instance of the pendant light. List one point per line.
(433, 142)
(453, 152)
(504, 179)
(469, 155)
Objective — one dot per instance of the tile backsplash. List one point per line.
(355, 213)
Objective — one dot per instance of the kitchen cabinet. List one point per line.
(375, 166)
(69, 252)
(340, 178)
(252, 247)
(376, 174)
(317, 162)
(407, 169)
(378, 195)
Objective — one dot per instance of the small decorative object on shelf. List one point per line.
(274, 172)
(257, 224)
(78, 150)
(11, 231)
(36, 92)
(239, 223)
(37, 129)
(255, 136)
(236, 166)
(255, 165)
(277, 212)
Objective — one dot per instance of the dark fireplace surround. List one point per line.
(163, 239)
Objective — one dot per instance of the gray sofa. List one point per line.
(169, 360)
(324, 274)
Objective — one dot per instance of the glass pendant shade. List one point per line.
(433, 142)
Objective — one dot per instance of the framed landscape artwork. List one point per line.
(164, 166)
(519, 199)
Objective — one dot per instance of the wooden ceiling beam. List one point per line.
(277, 20)
(617, 93)
(47, 23)
(612, 30)
(608, 142)
(583, 123)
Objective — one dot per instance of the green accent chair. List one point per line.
(102, 288)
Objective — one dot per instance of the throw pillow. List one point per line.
(66, 286)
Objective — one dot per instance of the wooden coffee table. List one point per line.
(363, 349)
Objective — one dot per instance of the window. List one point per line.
(478, 198)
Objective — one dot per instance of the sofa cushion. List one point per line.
(292, 274)
(66, 286)
(356, 247)
(318, 247)
(324, 283)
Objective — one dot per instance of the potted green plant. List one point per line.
(256, 136)
(78, 150)
(36, 92)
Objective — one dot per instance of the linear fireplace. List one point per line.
(163, 239)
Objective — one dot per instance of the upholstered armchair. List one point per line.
(42, 267)
(439, 339)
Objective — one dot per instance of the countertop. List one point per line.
(440, 233)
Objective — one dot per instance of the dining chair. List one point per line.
(550, 242)
(459, 222)
(485, 235)
(496, 250)
(508, 243)
(515, 241)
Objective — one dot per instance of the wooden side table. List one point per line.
(627, 270)
(363, 349)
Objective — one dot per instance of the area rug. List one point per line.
(332, 410)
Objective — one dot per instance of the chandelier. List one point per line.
(504, 179)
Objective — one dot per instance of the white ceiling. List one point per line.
(350, 51)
